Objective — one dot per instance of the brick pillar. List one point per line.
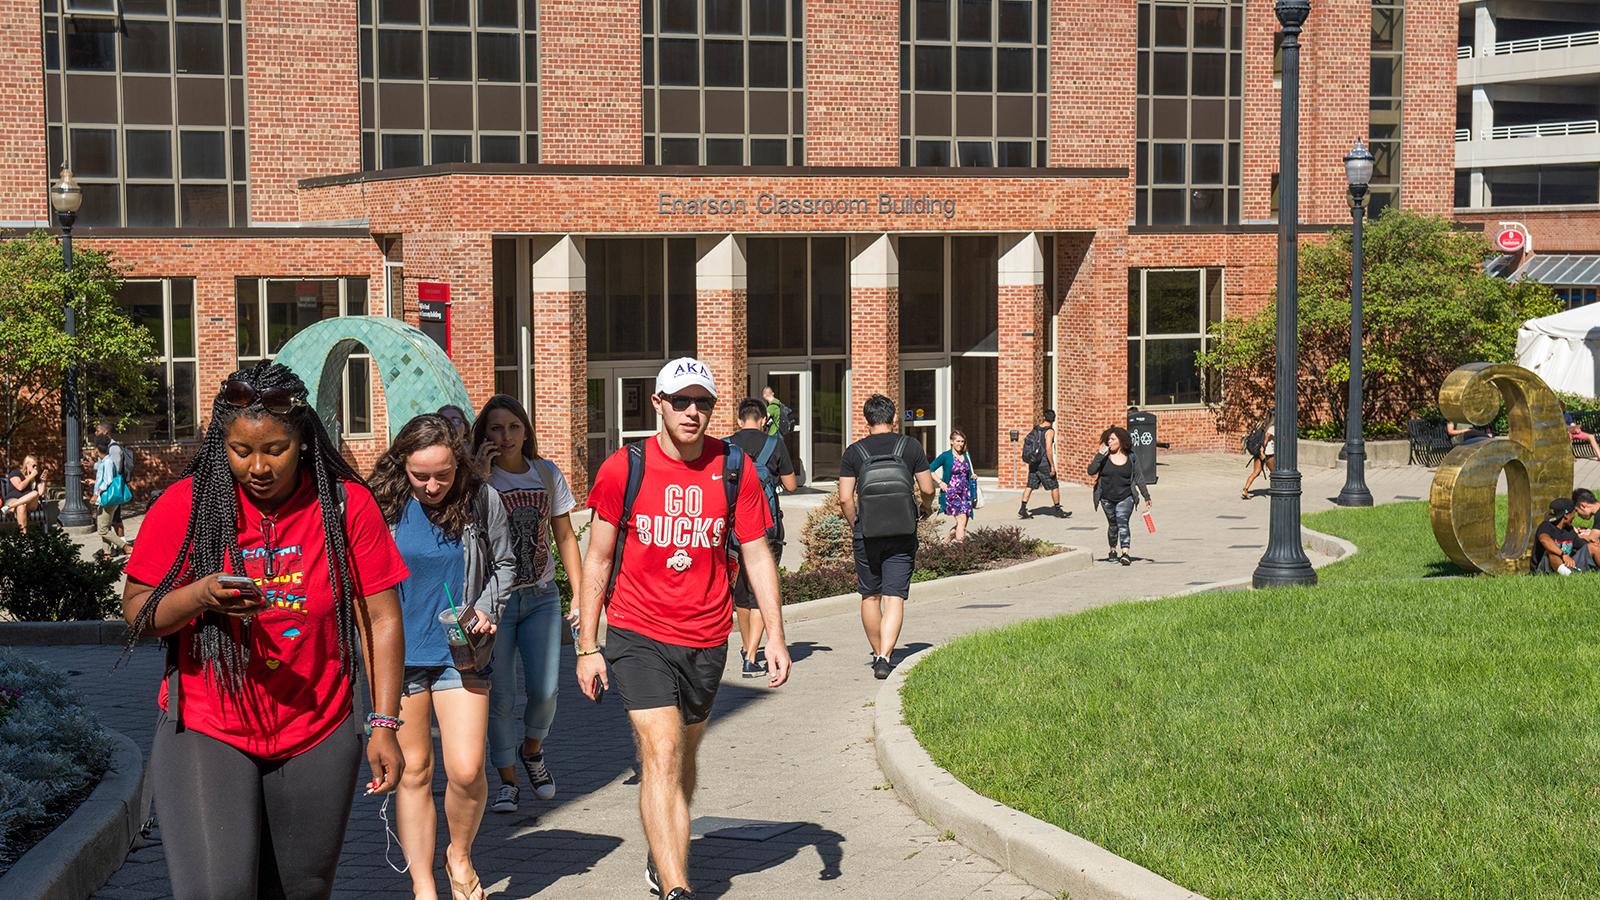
(1091, 335)
(216, 313)
(303, 100)
(1335, 82)
(23, 181)
(1093, 64)
(874, 324)
(1022, 366)
(721, 296)
(561, 356)
(1427, 109)
(590, 107)
(463, 260)
(853, 83)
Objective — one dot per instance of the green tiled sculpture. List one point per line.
(417, 375)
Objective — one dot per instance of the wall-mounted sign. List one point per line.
(433, 311)
(1513, 237)
(769, 204)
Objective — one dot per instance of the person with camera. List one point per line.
(451, 529)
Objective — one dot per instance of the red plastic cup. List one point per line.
(1149, 523)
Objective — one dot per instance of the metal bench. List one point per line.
(43, 517)
(1589, 422)
(1430, 442)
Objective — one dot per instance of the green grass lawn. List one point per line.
(1395, 539)
(1415, 740)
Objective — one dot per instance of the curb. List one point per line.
(74, 860)
(1336, 548)
(952, 587)
(40, 634)
(1039, 853)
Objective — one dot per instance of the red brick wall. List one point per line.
(874, 350)
(1260, 112)
(1022, 370)
(590, 107)
(1336, 65)
(463, 260)
(852, 82)
(560, 383)
(1093, 64)
(23, 195)
(1553, 231)
(720, 317)
(1091, 343)
(1428, 107)
(303, 98)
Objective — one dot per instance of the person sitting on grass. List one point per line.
(1556, 547)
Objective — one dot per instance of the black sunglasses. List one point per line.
(681, 402)
(278, 401)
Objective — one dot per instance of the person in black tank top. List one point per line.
(1118, 480)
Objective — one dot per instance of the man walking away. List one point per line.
(1039, 452)
(774, 468)
(668, 511)
(780, 415)
(879, 477)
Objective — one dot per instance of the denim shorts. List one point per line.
(440, 678)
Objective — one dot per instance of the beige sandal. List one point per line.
(471, 889)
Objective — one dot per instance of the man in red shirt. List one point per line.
(671, 609)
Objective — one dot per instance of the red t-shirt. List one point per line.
(675, 582)
(295, 694)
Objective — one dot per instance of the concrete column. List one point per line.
(874, 324)
(561, 356)
(1483, 30)
(1091, 334)
(1021, 304)
(721, 297)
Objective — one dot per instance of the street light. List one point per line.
(1285, 562)
(1358, 171)
(65, 198)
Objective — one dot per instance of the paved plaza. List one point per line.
(800, 758)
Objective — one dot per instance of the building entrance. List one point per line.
(792, 385)
(619, 409)
(924, 395)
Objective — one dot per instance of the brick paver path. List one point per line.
(802, 755)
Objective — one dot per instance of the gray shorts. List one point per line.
(1042, 477)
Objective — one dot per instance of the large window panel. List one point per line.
(922, 294)
(626, 298)
(165, 308)
(1170, 313)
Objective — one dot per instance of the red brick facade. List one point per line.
(852, 83)
(22, 135)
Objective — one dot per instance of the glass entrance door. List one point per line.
(619, 409)
(924, 393)
(792, 385)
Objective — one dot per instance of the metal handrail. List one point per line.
(1463, 134)
(1554, 42)
(1543, 129)
(1464, 52)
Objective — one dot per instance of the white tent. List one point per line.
(1562, 349)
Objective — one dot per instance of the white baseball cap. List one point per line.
(683, 372)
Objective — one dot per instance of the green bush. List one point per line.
(52, 753)
(1334, 431)
(984, 548)
(44, 579)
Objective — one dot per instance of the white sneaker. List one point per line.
(506, 799)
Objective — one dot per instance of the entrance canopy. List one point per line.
(1561, 349)
(1559, 269)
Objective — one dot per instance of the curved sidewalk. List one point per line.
(799, 759)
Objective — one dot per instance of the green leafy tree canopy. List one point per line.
(112, 352)
(1427, 306)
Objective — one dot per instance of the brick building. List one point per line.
(978, 207)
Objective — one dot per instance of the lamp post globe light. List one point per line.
(1358, 172)
(65, 198)
(1285, 563)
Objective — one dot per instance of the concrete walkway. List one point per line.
(799, 758)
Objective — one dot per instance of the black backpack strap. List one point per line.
(732, 468)
(768, 450)
(629, 495)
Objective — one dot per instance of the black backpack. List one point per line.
(886, 498)
(732, 468)
(1033, 447)
(130, 464)
(769, 486)
(786, 419)
(1255, 441)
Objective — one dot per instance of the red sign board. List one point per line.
(433, 311)
(433, 291)
(1511, 240)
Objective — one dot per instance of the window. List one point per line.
(273, 310)
(974, 75)
(1572, 297)
(1170, 314)
(165, 307)
(1388, 46)
(797, 297)
(148, 110)
(723, 88)
(641, 298)
(1190, 117)
(449, 81)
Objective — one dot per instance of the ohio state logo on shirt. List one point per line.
(681, 525)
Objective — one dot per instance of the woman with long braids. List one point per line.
(259, 567)
(539, 504)
(451, 529)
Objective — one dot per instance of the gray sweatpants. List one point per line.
(241, 827)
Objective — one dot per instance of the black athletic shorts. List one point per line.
(1042, 477)
(649, 674)
(743, 596)
(884, 564)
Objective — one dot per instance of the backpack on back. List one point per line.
(1033, 447)
(1255, 441)
(732, 469)
(769, 486)
(886, 497)
(130, 465)
(786, 419)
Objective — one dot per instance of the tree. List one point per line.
(113, 353)
(1427, 306)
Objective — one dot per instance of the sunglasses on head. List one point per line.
(681, 402)
(278, 401)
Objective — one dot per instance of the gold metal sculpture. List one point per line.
(1536, 456)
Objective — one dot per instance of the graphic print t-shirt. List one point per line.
(1565, 538)
(295, 694)
(531, 500)
(674, 585)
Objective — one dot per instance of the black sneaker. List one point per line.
(1022, 513)
(543, 783)
(680, 893)
(881, 667)
(749, 668)
(1125, 559)
(1112, 556)
(1058, 512)
(651, 878)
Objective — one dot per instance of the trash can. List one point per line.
(1142, 428)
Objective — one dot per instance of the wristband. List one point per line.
(590, 652)
(379, 720)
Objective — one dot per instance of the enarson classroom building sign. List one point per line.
(773, 204)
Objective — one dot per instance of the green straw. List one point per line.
(451, 602)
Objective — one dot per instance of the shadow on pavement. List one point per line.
(715, 861)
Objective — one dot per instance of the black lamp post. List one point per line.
(65, 198)
(1358, 171)
(1285, 562)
